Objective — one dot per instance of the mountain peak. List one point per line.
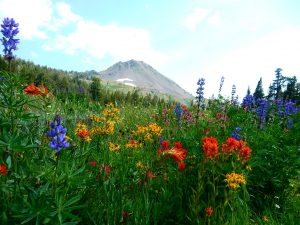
(139, 74)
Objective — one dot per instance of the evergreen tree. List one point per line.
(259, 92)
(275, 90)
(95, 88)
(290, 92)
(271, 92)
(248, 91)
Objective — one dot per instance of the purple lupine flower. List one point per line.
(9, 30)
(289, 108)
(236, 101)
(236, 133)
(58, 134)
(178, 112)
(279, 106)
(200, 93)
(248, 102)
(262, 110)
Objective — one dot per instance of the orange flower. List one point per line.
(133, 144)
(231, 145)
(3, 169)
(234, 146)
(210, 147)
(165, 144)
(83, 134)
(178, 154)
(32, 90)
(208, 211)
(245, 153)
(177, 145)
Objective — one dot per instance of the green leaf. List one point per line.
(8, 161)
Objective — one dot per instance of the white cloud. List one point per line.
(99, 41)
(195, 18)
(64, 17)
(46, 19)
(215, 18)
(30, 14)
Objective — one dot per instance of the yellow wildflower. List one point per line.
(155, 129)
(140, 165)
(148, 137)
(113, 147)
(234, 180)
(133, 144)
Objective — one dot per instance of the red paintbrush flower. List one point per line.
(245, 153)
(210, 147)
(3, 169)
(178, 154)
(181, 165)
(165, 144)
(32, 90)
(208, 211)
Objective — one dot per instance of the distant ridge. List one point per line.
(139, 74)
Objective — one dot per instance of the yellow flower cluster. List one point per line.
(113, 147)
(234, 180)
(155, 129)
(107, 120)
(109, 128)
(79, 127)
(140, 165)
(133, 144)
(97, 119)
(148, 131)
(82, 132)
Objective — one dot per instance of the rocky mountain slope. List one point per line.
(141, 75)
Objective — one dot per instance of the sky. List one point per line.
(184, 40)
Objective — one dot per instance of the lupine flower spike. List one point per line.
(9, 31)
(58, 134)
(200, 93)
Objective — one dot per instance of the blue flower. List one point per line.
(178, 112)
(200, 93)
(290, 108)
(279, 105)
(262, 110)
(9, 31)
(248, 102)
(236, 133)
(58, 134)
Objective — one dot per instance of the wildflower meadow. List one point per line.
(74, 159)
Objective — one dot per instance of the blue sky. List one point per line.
(241, 40)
